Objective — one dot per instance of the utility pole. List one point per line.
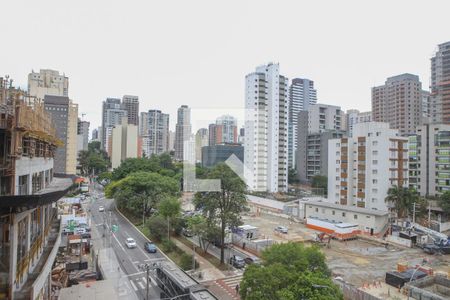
(429, 214)
(414, 212)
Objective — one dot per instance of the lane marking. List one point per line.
(133, 285)
(134, 274)
(141, 285)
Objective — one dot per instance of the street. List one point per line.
(130, 260)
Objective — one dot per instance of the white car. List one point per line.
(130, 243)
(101, 209)
(281, 229)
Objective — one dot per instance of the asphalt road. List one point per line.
(130, 260)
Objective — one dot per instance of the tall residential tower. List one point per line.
(440, 85)
(266, 129)
(182, 130)
(301, 95)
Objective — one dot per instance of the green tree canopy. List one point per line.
(140, 192)
(205, 232)
(94, 160)
(224, 207)
(169, 208)
(158, 164)
(320, 182)
(402, 200)
(444, 202)
(289, 271)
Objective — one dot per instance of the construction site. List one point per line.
(360, 263)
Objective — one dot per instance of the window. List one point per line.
(355, 217)
(374, 162)
(333, 212)
(317, 210)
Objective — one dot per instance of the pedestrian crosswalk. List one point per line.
(140, 283)
(229, 285)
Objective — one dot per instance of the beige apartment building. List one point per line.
(399, 103)
(124, 142)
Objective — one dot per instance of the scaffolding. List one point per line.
(26, 129)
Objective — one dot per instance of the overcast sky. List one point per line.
(197, 53)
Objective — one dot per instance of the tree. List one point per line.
(94, 160)
(206, 233)
(402, 200)
(169, 208)
(444, 202)
(320, 182)
(289, 271)
(157, 227)
(141, 192)
(224, 207)
(292, 176)
(83, 161)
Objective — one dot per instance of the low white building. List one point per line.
(368, 221)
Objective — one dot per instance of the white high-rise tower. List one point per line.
(266, 129)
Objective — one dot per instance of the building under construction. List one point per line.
(29, 229)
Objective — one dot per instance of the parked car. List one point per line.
(67, 230)
(79, 230)
(187, 232)
(281, 229)
(237, 261)
(150, 247)
(252, 260)
(101, 208)
(85, 226)
(86, 235)
(130, 243)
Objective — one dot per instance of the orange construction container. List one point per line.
(402, 266)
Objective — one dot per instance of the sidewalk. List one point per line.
(208, 270)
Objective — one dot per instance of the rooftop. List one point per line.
(103, 289)
(346, 207)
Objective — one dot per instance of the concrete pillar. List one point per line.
(13, 236)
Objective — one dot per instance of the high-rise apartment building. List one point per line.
(399, 103)
(266, 129)
(47, 82)
(156, 140)
(83, 132)
(354, 116)
(223, 131)
(171, 140)
(64, 114)
(301, 94)
(95, 135)
(361, 169)
(112, 114)
(312, 156)
(143, 123)
(440, 85)
(182, 131)
(201, 140)
(323, 117)
(429, 159)
(131, 105)
(124, 142)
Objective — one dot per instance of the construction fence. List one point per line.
(353, 293)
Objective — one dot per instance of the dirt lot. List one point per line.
(357, 261)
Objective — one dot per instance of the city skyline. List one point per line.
(359, 60)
